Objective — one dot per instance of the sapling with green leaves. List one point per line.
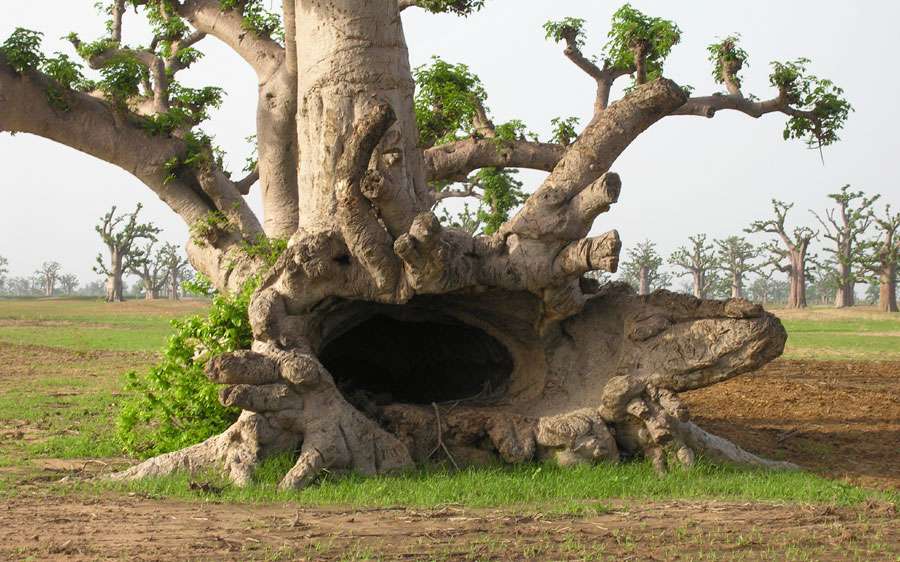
(846, 225)
(354, 148)
(120, 233)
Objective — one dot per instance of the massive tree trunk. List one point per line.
(644, 281)
(699, 283)
(115, 291)
(887, 289)
(383, 339)
(737, 286)
(845, 295)
(797, 276)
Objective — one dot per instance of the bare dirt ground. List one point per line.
(840, 419)
(139, 529)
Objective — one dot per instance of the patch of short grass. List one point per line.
(857, 333)
(525, 485)
(91, 324)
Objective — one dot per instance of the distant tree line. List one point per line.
(131, 247)
(861, 244)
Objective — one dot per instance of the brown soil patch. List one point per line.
(839, 419)
(139, 529)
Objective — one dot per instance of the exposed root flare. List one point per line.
(593, 372)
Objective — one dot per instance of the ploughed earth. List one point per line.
(837, 419)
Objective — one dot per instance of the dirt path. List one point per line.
(141, 529)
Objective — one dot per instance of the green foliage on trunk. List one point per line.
(174, 405)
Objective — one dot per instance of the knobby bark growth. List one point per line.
(519, 355)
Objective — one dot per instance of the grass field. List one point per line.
(861, 333)
(61, 366)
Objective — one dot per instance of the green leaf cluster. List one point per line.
(209, 227)
(174, 405)
(514, 130)
(256, 17)
(269, 249)
(501, 193)
(189, 107)
(564, 132)
(446, 101)
(818, 96)
(566, 29)
(457, 7)
(727, 53)
(199, 151)
(630, 29)
(22, 50)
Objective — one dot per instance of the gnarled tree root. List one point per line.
(618, 401)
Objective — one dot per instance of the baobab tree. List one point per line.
(736, 257)
(846, 225)
(791, 256)
(4, 269)
(699, 261)
(884, 258)
(372, 287)
(119, 233)
(148, 264)
(46, 277)
(643, 269)
(174, 268)
(761, 288)
(68, 282)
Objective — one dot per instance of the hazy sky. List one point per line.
(685, 175)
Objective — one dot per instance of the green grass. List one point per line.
(90, 324)
(859, 333)
(565, 490)
(70, 401)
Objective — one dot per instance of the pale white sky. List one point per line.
(685, 175)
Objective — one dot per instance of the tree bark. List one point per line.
(887, 289)
(644, 281)
(737, 286)
(845, 295)
(114, 286)
(353, 55)
(699, 283)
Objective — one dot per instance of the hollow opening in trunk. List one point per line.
(418, 362)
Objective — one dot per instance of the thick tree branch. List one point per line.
(243, 185)
(94, 127)
(708, 106)
(604, 77)
(264, 54)
(456, 160)
(591, 156)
